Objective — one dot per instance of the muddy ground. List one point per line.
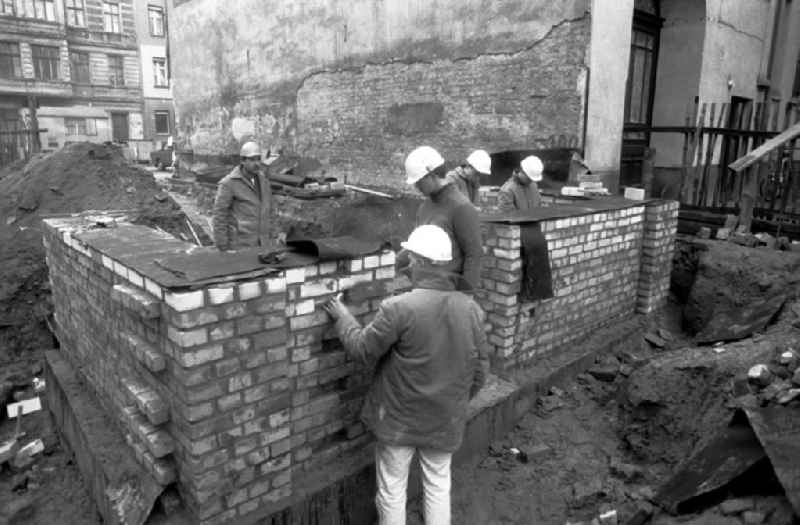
(79, 177)
(607, 440)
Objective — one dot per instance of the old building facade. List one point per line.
(158, 114)
(356, 84)
(72, 69)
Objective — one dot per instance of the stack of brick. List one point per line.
(235, 390)
(658, 245)
(596, 261)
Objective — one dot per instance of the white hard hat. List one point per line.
(420, 162)
(481, 161)
(250, 149)
(532, 167)
(431, 242)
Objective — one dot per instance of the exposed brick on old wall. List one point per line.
(362, 123)
(358, 85)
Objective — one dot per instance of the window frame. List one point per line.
(163, 63)
(15, 60)
(8, 8)
(111, 14)
(151, 9)
(80, 122)
(74, 12)
(74, 67)
(44, 10)
(116, 80)
(53, 63)
(163, 113)
(637, 132)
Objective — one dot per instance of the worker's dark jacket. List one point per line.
(467, 185)
(454, 213)
(430, 345)
(242, 211)
(515, 196)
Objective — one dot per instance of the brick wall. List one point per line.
(362, 122)
(235, 390)
(605, 266)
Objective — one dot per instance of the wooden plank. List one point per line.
(758, 153)
(688, 137)
(697, 152)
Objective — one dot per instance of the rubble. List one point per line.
(759, 375)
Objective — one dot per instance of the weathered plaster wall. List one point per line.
(610, 49)
(703, 46)
(734, 41)
(357, 83)
(678, 74)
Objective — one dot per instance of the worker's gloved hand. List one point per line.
(402, 263)
(281, 238)
(335, 308)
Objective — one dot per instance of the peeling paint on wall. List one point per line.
(321, 79)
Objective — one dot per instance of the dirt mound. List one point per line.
(79, 177)
(724, 276)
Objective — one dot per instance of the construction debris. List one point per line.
(23, 407)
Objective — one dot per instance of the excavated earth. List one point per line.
(77, 178)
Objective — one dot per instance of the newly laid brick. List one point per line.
(185, 301)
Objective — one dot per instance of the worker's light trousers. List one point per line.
(392, 464)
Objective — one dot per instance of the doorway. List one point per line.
(119, 127)
(639, 94)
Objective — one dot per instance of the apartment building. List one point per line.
(73, 71)
(157, 110)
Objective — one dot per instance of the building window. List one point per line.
(796, 88)
(45, 62)
(160, 72)
(155, 18)
(79, 63)
(75, 126)
(41, 9)
(116, 70)
(80, 126)
(111, 20)
(10, 64)
(162, 122)
(7, 7)
(75, 14)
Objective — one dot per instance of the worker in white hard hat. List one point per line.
(449, 209)
(467, 177)
(520, 192)
(431, 344)
(243, 204)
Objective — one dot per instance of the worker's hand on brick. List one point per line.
(402, 263)
(335, 308)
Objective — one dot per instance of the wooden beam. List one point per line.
(753, 156)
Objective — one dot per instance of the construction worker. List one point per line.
(520, 191)
(449, 209)
(436, 363)
(467, 177)
(243, 204)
